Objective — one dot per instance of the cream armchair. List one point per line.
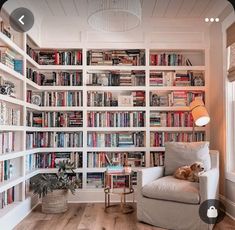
(169, 203)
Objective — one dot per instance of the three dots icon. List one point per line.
(211, 19)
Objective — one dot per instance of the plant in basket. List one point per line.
(53, 188)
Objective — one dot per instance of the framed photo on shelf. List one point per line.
(125, 101)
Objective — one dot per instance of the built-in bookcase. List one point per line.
(94, 107)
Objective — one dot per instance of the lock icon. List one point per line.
(212, 212)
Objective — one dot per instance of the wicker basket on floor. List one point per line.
(55, 202)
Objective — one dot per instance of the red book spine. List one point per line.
(56, 58)
(152, 58)
(156, 60)
(53, 160)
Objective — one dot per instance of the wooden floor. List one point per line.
(92, 217)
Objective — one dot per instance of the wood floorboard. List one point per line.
(93, 217)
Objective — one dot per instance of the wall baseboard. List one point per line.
(230, 206)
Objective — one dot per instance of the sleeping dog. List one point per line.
(189, 173)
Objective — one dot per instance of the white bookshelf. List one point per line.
(85, 194)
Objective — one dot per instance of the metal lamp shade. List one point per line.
(199, 112)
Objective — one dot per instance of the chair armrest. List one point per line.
(147, 175)
(209, 184)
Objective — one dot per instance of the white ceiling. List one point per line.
(196, 9)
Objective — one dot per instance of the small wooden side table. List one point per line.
(118, 184)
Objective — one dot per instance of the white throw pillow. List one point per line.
(178, 154)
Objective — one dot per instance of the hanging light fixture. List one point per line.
(114, 15)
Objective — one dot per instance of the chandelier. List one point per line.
(114, 15)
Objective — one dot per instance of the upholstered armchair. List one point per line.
(170, 203)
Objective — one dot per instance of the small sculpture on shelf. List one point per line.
(7, 88)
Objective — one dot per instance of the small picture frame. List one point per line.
(125, 101)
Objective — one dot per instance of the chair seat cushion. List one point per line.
(172, 189)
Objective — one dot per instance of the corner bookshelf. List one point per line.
(131, 122)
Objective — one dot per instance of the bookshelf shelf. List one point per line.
(53, 88)
(169, 108)
(10, 183)
(173, 68)
(11, 100)
(180, 88)
(32, 84)
(60, 67)
(157, 149)
(32, 106)
(12, 155)
(176, 129)
(32, 62)
(32, 174)
(116, 108)
(11, 128)
(54, 129)
(116, 149)
(93, 170)
(45, 150)
(53, 109)
(116, 88)
(115, 129)
(55, 170)
(9, 208)
(110, 67)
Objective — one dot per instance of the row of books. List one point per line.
(55, 57)
(8, 58)
(54, 119)
(176, 78)
(158, 139)
(169, 59)
(95, 180)
(67, 98)
(62, 78)
(9, 116)
(171, 119)
(31, 52)
(156, 159)
(51, 160)
(116, 119)
(174, 98)
(53, 139)
(116, 57)
(116, 78)
(118, 181)
(102, 99)
(6, 170)
(104, 159)
(124, 139)
(7, 142)
(7, 197)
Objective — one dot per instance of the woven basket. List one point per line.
(55, 202)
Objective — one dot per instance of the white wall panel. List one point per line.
(177, 37)
(129, 37)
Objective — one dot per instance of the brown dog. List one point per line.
(189, 173)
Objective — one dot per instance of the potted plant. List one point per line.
(53, 188)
